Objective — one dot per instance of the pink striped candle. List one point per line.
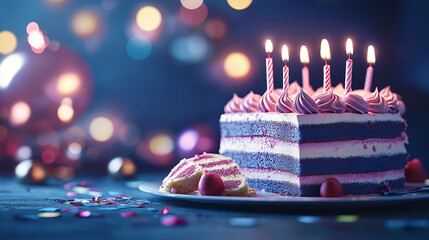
(285, 57)
(325, 53)
(349, 67)
(305, 73)
(269, 66)
(370, 69)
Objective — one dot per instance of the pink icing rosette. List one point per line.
(391, 99)
(329, 102)
(355, 103)
(268, 102)
(233, 106)
(377, 104)
(250, 103)
(304, 104)
(284, 104)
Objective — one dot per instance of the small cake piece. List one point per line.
(234, 181)
(183, 178)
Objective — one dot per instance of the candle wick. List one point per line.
(269, 54)
(326, 61)
(349, 56)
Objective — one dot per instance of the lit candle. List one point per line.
(349, 67)
(269, 66)
(285, 57)
(305, 73)
(325, 53)
(370, 70)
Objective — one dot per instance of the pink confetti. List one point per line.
(70, 185)
(173, 220)
(85, 184)
(128, 214)
(76, 203)
(83, 214)
(72, 194)
(103, 202)
(165, 210)
(96, 199)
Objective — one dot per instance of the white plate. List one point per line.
(272, 199)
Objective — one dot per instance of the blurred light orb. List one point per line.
(75, 148)
(191, 4)
(237, 65)
(48, 156)
(56, 2)
(161, 144)
(85, 24)
(8, 42)
(29, 171)
(191, 49)
(36, 40)
(129, 134)
(65, 111)
(215, 28)
(148, 18)
(64, 173)
(54, 46)
(196, 140)
(239, 4)
(31, 27)
(195, 16)
(9, 67)
(188, 140)
(101, 129)
(139, 47)
(68, 83)
(19, 113)
(121, 167)
(24, 153)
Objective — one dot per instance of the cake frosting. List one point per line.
(329, 102)
(268, 102)
(377, 104)
(391, 99)
(284, 103)
(250, 102)
(304, 104)
(233, 105)
(355, 103)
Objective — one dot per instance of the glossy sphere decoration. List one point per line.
(331, 188)
(414, 172)
(29, 171)
(211, 185)
(121, 167)
(39, 84)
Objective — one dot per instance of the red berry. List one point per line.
(331, 188)
(414, 172)
(211, 184)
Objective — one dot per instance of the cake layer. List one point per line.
(312, 127)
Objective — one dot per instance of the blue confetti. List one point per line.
(308, 219)
(243, 222)
(49, 209)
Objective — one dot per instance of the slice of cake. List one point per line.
(183, 178)
(234, 181)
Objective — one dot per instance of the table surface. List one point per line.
(18, 202)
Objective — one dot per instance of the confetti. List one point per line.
(49, 210)
(49, 214)
(128, 214)
(92, 204)
(243, 222)
(165, 210)
(407, 223)
(347, 218)
(173, 220)
(83, 214)
(76, 203)
(308, 219)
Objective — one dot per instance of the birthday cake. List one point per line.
(290, 142)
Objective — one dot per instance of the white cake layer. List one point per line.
(282, 176)
(309, 119)
(337, 149)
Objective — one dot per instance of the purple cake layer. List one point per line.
(314, 133)
(318, 166)
(313, 189)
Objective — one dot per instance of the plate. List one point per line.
(271, 199)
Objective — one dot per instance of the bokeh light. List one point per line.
(101, 129)
(48, 156)
(19, 113)
(239, 4)
(188, 140)
(36, 40)
(148, 18)
(196, 140)
(191, 4)
(68, 83)
(195, 16)
(9, 67)
(139, 47)
(64, 173)
(215, 28)
(237, 65)
(190, 49)
(86, 24)
(65, 111)
(31, 27)
(56, 2)
(161, 144)
(24, 153)
(8, 42)
(74, 150)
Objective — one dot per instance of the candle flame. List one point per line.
(349, 46)
(325, 52)
(285, 53)
(371, 54)
(268, 46)
(304, 55)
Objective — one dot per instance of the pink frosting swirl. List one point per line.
(304, 104)
(268, 102)
(250, 103)
(329, 102)
(391, 99)
(293, 88)
(401, 107)
(377, 104)
(284, 104)
(233, 106)
(355, 103)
